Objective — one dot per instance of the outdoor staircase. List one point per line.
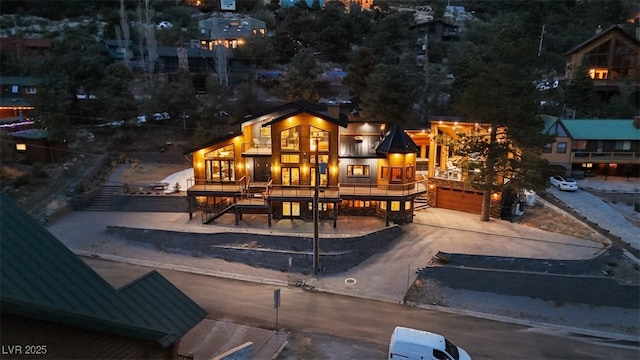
(420, 203)
(102, 200)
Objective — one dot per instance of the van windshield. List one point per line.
(451, 349)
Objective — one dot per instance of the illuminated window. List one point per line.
(321, 159)
(321, 206)
(290, 209)
(290, 158)
(222, 152)
(290, 138)
(383, 205)
(384, 172)
(321, 136)
(265, 132)
(21, 147)
(395, 206)
(357, 170)
(359, 203)
(407, 205)
(14, 89)
(323, 177)
(409, 172)
(599, 73)
(290, 176)
(31, 90)
(396, 174)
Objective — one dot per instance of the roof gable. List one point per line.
(303, 106)
(212, 142)
(601, 129)
(44, 280)
(612, 30)
(396, 141)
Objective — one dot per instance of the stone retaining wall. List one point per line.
(571, 289)
(268, 251)
(149, 203)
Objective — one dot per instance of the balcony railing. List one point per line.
(306, 191)
(257, 147)
(449, 174)
(194, 184)
(604, 157)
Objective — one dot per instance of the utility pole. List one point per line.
(426, 59)
(541, 39)
(316, 213)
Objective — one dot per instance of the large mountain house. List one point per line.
(282, 158)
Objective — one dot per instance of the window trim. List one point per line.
(564, 147)
(366, 170)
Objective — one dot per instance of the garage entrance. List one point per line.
(459, 200)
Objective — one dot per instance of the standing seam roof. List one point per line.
(42, 279)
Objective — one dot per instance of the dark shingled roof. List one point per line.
(42, 279)
(396, 141)
(287, 110)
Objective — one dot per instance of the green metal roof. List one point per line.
(41, 278)
(601, 129)
(19, 80)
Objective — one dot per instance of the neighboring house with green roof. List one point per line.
(16, 98)
(52, 299)
(594, 146)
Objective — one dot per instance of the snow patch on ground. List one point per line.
(180, 177)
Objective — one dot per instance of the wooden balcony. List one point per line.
(201, 187)
(605, 157)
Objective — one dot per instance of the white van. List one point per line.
(416, 344)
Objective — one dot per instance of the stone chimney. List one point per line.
(636, 122)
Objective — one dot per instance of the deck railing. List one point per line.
(307, 191)
(601, 157)
(194, 184)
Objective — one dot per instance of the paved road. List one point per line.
(373, 321)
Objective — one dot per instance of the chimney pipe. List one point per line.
(333, 110)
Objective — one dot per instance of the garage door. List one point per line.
(459, 200)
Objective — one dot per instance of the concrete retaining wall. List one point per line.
(571, 289)
(268, 251)
(149, 203)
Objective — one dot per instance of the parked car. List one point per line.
(564, 184)
(161, 116)
(141, 119)
(407, 343)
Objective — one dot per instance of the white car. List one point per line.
(563, 183)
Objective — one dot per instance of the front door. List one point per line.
(261, 169)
